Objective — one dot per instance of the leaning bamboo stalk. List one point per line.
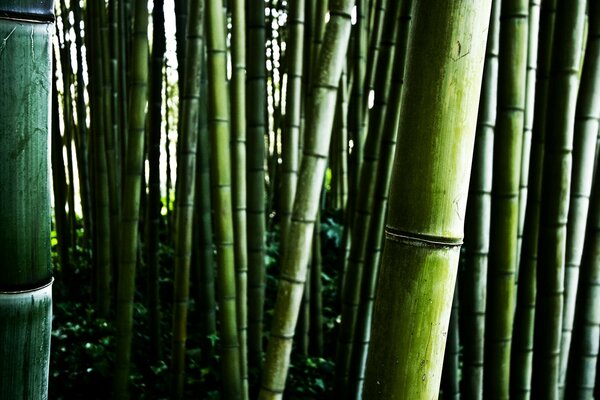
(425, 222)
(312, 171)
(26, 29)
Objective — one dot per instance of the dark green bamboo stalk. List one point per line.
(218, 112)
(26, 29)
(257, 128)
(154, 203)
(380, 10)
(425, 222)
(131, 201)
(522, 348)
(186, 184)
(554, 207)
(205, 269)
(238, 122)
(508, 135)
(584, 149)
(380, 201)
(310, 183)
(477, 224)
(364, 201)
(316, 286)
(581, 373)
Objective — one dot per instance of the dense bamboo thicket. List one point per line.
(267, 199)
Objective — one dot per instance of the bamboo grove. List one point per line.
(379, 199)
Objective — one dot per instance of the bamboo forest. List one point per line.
(299, 199)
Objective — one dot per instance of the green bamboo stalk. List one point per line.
(310, 183)
(257, 128)
(451, 368)
(532, 53)
(380, 201)
(500, 301)
(522, 348)
(381, 8)
(59, 180)
(205, 269)
(556, 182)
(186, 183)
(316, 286)
(26, 29)
(584, 148)
(477, 223)
(581, 373)
(131, 201)
(219, 126)
(291, 135)
(364, 201)
(238, 122)
(425, 222)
(154, 203)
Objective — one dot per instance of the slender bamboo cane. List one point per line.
(425, 222)
(219, 127)
(532, 54)
(380, 201)
(26, 29)
(310, 183)
(584, 148)
(186, 184)
(316, 286)
(154, 203)
(364, 201)
(522, 348)
(581, 373)
(130, 213)
(508, 135)
(451, 369)
(556, 182)
(291, 135)
(257, 128)
(477, 224)
(238, 122)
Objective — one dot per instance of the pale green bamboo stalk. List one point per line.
(220, 139)
(554, 207)
(310, 183)
(26, 29)
(425, 222)
(500, 301)
(238, 122)
(584, 149)
(131, 199)
(477, 224)
(522, 347)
